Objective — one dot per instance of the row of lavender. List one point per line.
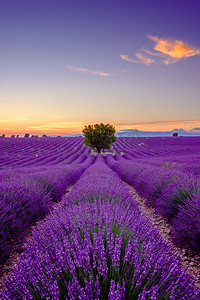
(97, 245)
(23, 152)
(27, 195)
(182, 153)
(141, 147)
(189, 164)
(183, 163)
(173, 194)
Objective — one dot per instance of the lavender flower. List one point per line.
(83, 249)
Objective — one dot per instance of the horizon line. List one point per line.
(194, 130)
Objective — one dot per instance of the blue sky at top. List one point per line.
(68, 63)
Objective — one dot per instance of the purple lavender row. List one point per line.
(27, 197)
(49, 151)
(158, 146)
(168, 152)
(97, 245)
(29, 146)
(15, 149)
(189, 164)
(174, 195)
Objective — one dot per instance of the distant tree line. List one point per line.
(27, 135)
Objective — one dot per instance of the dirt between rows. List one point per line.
(188, 259)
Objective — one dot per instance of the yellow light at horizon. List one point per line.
(77, 127)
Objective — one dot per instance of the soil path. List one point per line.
(15, 254)
(188, 259)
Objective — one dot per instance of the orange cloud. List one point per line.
(174, 49)
(169, 51)
(99, 73)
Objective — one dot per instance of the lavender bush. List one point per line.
(97, 245)
(186, 225)
(25, 199)
(174, 195)
(168, 191)
(22, 202)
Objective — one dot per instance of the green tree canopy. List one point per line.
(99, 136)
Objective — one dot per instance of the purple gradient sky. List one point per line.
(60, 65)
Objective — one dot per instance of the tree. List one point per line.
(175, 134)
(99, 136)
(26, 135)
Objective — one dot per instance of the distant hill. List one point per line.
(139, 133)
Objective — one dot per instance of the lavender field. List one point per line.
(68, 216)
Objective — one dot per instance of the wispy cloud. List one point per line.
(2, 121)
(160, 122)
(25, 119)
(140, 59)
(147, 61)
(125, 57)
(57, 126)
(159, 125)
(150, 52)
(169, 51)
(50, 128)
(99, 73)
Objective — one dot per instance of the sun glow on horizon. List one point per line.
(70, 128)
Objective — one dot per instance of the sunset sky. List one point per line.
(68, 63)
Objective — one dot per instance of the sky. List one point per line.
(65, 64)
